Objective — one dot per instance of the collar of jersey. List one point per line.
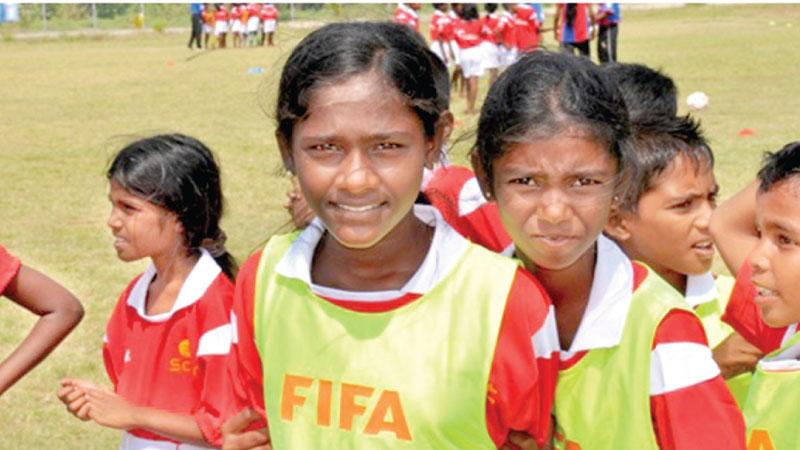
(700, 289)
(446, 248)
(609, 301)
(200, 278)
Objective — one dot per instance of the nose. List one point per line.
(554, 207)
(357, 174)
(113, 221)
(704, 216)
(759, 256)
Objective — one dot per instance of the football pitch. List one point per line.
(67, 104)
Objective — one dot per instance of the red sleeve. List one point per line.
(521, 383)
(215, 397)
(744, 315)
(701, 416)
(9, 267)
(244, 370)
(114, 340)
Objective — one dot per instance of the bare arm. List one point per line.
(111, 410)
(59, 312)
(733, 226)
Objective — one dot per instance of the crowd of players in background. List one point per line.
(473, 44)
(248, 24)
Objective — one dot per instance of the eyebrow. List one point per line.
(385, 135)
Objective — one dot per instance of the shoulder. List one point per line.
(248, 270)
(527, 300)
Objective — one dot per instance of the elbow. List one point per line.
(72, 312)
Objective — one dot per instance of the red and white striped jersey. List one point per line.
(405, 15)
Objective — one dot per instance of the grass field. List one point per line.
(67, 105)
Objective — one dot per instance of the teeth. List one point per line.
(704, 245)
(357, 208)
(764, 292)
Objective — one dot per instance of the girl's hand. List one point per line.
(735, 355)
(73, 394)
(235, 436)
(521, 441)
(109, 409)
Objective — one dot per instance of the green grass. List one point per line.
(68, 105)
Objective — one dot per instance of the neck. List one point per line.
(171, 272)
(675, 279)
(387, 265)
(569, 289)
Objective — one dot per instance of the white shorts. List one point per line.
(508, 56)
(221, 27)
(472, 61)
(131, 442)
(439, 49)
(252, 24)
(238, 27)
(270, 25)
(491, 55)
(207, 29)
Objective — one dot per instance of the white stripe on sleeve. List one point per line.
(677, 365)
(215, 342)
(545, 341)
(470, 198)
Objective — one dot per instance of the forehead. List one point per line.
(558, 155)
(685, 171)
(781, 201)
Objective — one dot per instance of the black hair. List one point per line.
(656, 145)
(649, 94)
(572, 11)
(490, 7)
(340, 50)
(779, 166)
(438, 5)
(470, 12)
(545, 94)
(179, 174)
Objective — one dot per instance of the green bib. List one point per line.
(771, 411)
(710, 314)
(603, 401)
(414, 377)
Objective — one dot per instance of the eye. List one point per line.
(525, 181)
(586, 181)
(324, 148)
(785, 240)
(387, 146)
(682, 205)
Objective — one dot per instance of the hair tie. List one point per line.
(215, 246)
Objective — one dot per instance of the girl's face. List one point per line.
(140, 228)
(554, 197)
(358, 155)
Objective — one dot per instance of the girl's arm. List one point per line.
(111, 410)
(733, 227)
(58, 310)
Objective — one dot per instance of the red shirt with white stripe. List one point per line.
(526, 28)
(744, 315)
(440, 26)
(490, 24)
(455, 193)
(253, 10)
(269, 12)
(405, 15)
(507, 30)
(9, 267)
(221, 15)
(522, 378)
(174, 361)
(469, 33)
(236, 13)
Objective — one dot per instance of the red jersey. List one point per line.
(221, 14)
(9, 267)
(578, 31)
(744, 315)
(507, 29)
(526, 28)
(236, 13)
(469, 33)
(455, 193)
(441, 26)
(269, 12)
(253, 10)
(174, 361)
(490, 27)
(405, 15)
(522, 378)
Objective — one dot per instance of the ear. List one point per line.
(434, 149)
(480, 174)
(286, 153)
(618, 227)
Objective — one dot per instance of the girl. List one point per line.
(221, 25)
(553, 150)
(269, 17)
(58, 310)
(469, 32)
(378, 325)
(167, 339)
(573, 27)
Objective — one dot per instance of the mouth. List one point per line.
(357, 208)
(553, 239)
(704, 248)
(764, 295)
